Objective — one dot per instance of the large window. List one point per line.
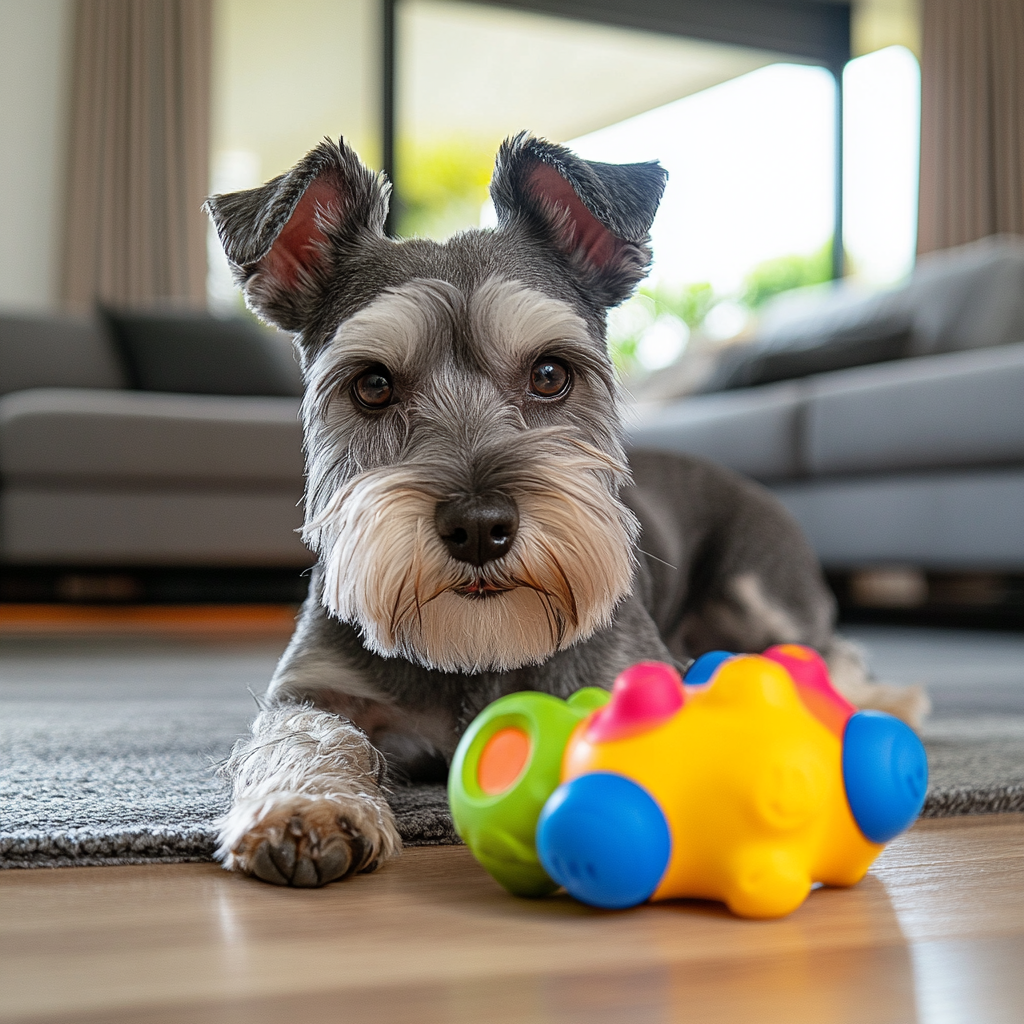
(748, 135)
(748, 138)
(285, 74)
(469, 75)
(749, 209)
(882, 129)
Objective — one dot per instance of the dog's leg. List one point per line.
(307, 804)
(754, 623)
(851, 678)
(750, 586)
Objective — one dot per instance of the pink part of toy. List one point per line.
(644, 696)
(810, 673)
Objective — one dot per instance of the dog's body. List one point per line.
(468, 497)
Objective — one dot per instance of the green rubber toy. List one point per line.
(508, 763)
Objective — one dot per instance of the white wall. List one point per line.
(285, 74)
(475, 74)
(35, 64)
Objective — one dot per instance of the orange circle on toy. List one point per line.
(502, 760)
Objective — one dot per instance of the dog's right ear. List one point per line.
(597, 216)
(284, 238)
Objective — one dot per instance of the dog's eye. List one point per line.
(374, 389)
(549, 378)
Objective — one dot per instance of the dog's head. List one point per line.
(461, 413)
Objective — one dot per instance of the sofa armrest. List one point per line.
(59, 435)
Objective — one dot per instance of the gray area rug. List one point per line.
(975, 735)
(107, 748)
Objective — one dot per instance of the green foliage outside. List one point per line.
(441, 186)
(692, 303)
(784, 273)
(687, 303)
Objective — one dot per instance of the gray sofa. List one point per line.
(916, 461)
(96, 470)
(106, 461)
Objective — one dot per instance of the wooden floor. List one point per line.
(125, 621)
(934, 935)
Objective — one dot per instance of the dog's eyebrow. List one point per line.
(512, 322)
(403, 328)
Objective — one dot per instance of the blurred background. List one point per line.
(748, 132)
(817, 149)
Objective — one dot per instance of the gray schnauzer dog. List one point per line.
(478, 527)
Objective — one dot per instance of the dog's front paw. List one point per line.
(306, 841)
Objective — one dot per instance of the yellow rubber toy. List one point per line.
(751, 784)
(747, 782)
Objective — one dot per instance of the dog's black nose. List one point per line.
(478, 529)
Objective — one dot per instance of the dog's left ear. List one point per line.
(285, 238)
(597, 215)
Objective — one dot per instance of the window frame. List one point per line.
(814, 31)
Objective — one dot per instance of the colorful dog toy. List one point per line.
(748, 783)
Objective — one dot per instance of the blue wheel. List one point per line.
(605, 839)
(705, 667)
(885, 770)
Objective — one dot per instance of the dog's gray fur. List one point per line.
(395, 651)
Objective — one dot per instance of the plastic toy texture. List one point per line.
(748, 783)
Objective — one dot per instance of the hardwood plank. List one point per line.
(246, 620)
(934, 930)
(951, 878)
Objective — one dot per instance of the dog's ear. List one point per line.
(597, 215)
(283, 239)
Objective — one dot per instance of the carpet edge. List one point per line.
(959, 801)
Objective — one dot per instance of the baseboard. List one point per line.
(180, 621)
(907, 595)
(152, 585)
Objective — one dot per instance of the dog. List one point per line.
(477, 524)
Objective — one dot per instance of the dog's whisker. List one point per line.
(417, 582)
(657, 559)
(523, 580)
(568, 594)
(604, 458)
(546, 604)
(556, 627)
(555, 620)
(419, 610)
(395, 616)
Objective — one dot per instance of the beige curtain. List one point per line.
(139, 154)
(972, 121)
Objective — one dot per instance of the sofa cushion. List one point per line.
(958, 409)
(968, 297)
(56, 352)
(117, 436)
(848, 332)
(752, 432)
(97, 526)
(957, 519)
(198, 354)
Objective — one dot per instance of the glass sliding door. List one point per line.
(469, 75)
